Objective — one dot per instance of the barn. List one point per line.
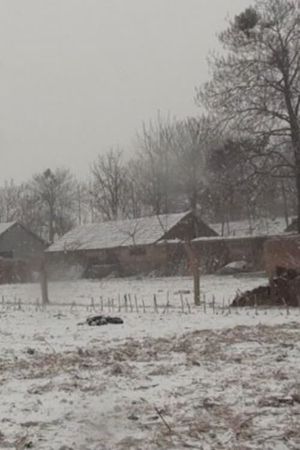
(126, 247)
(21, 251)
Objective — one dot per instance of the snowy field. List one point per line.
(111, 292)
(172, 378)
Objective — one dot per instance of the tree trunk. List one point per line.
(196, 278)
(79, 204)
(228, 224)
(285, 204)
(193, 201)
(296, 145)
(295, 135)
(298, 198)
(51, 225)
(194, 265)
(223, 227)
(44, 284)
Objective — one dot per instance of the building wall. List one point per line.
(145, 259)
(122, 261)
(216, 253)
(164, 258)
(64, 266)
(283, 252)
(14, 271)
(23, 244)
(20, 254)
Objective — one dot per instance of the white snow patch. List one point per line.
(172, 379)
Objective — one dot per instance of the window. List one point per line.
(137, 251)
(8, 254)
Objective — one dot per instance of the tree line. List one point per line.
(178, 166)
(240, 159)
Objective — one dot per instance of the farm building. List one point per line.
(20, 252)
(240, 241)
(216, 252)
(282, 252)
(125, 247)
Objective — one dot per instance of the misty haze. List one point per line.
(150, 224)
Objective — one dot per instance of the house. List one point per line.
(21, 251)
(125, 247)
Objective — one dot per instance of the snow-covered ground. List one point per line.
(142, 291)
(213, 378)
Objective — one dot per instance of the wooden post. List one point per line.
(136, 303)
(155, 303)
(44, 284)
(196, 277)
(194, 266)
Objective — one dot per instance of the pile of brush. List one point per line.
(283, 290)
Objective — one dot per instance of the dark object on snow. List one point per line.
(283, 290)
(258, 296)
(286, 286)
(133, 417)
(103, 320)
(30, 351)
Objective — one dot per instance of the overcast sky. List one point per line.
(79, 76)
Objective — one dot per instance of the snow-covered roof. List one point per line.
(4, 226)
(242, 228)
(142, 231)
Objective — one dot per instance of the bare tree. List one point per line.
(9, 194)
(190, 145)
(156, 165)
(30, 212)
(109, 185)
(233, 183)
(54, 192)
(255, 88)
(83, 202)
(135, 206)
